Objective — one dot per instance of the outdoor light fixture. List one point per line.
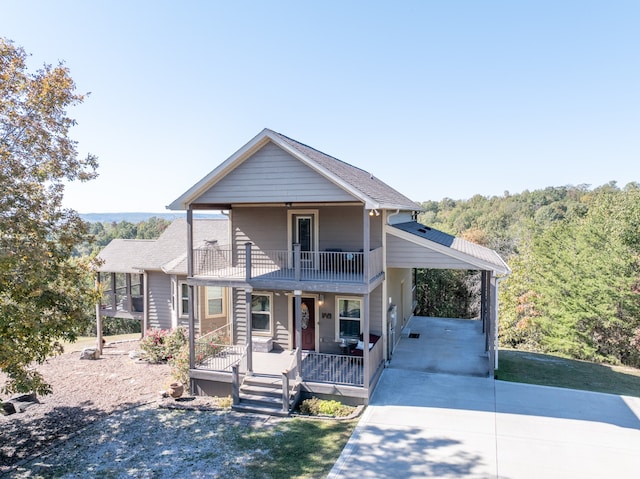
(374, 212)
(321, 299)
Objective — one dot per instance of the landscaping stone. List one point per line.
(90, 353)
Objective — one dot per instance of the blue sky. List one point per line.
(436, 98)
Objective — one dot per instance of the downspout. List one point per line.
(392, 214)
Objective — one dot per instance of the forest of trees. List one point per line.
(575, 257)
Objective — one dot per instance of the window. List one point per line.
(261, 313)
(183, 303)
(349, 316)
(214, 301)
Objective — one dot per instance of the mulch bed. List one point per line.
(83, 392)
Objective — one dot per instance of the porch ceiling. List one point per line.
(413, 245)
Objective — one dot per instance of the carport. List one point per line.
(414, 245)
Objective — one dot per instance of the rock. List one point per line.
(90, 353)
(134, 354)
(8, 408)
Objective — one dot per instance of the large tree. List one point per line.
(44, 294)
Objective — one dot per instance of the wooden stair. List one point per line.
(262, 394)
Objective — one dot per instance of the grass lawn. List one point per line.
(548, 370)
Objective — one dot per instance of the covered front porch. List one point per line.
(224, 369)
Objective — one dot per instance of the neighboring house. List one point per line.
(322, 254)
(147, 279)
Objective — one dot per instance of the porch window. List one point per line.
(261, 313)
(214, 301)
(349, 316)
(183, 303)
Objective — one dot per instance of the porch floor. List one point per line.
(444, 345)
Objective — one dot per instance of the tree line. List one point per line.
(575, 259)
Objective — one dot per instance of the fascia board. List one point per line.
(472, 260)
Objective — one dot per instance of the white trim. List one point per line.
(337, 312)
(316, 231)
(258, 332)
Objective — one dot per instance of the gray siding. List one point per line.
(401, 297)
(239, 316)
(281, 320)
(339, 227)
(266, 228)
(159, 300)
(376, 311)
(405, 254)
(272, 175)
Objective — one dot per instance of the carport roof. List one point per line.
(478, 257)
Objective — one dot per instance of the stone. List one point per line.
(90, 353)
(8, 408)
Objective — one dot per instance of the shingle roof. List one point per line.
(133, 256)
(358, 178)
(358, 182)
(458, 244)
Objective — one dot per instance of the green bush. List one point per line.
(323, 407)
(112, 326)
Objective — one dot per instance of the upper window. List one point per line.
(261, 319)
(349, 316)
(214, 301)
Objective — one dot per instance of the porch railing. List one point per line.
(332, 368)
(225, 262)
(289, 376)
(213, 351)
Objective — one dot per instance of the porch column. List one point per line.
(366, 245)
(298, 326)
(98, 317)
(127, 280)
(189, 242)
(145, 301)
(247, 298)
(365, 341)
(192, 330)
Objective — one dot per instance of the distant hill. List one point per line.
(138, 217)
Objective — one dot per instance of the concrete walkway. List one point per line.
(421, 424)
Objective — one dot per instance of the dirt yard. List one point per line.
(83, 391)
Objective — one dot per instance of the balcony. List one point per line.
(254, 265)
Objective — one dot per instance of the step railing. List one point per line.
(288, 375)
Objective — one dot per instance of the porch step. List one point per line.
(262, 394)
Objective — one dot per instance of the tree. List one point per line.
(44, 294)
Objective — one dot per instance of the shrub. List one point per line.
(322, 407)
(179, 363)
(160, 345)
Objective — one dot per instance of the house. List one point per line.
(320, 265)
(147, 279)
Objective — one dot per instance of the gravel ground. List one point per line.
(83, 392)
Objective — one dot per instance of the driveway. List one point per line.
(438, 425)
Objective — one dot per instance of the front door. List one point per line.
(308, 323)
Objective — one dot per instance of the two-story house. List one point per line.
(320, 266)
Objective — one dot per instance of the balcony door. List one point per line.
(303, 230)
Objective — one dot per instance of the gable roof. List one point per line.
(356, 181)
(477, 256)
(170, 249)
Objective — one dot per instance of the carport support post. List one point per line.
(248, 292)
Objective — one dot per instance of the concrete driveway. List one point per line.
(423, 424)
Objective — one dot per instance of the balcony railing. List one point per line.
(225, 262)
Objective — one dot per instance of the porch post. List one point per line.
(145, 301)
(365, 342)
(127, 281)
(98, 317)
(296, 261)
(189, 242)
(192, 331)
(247, 298)
(366, 245)
(298, 326)
(483, 300)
